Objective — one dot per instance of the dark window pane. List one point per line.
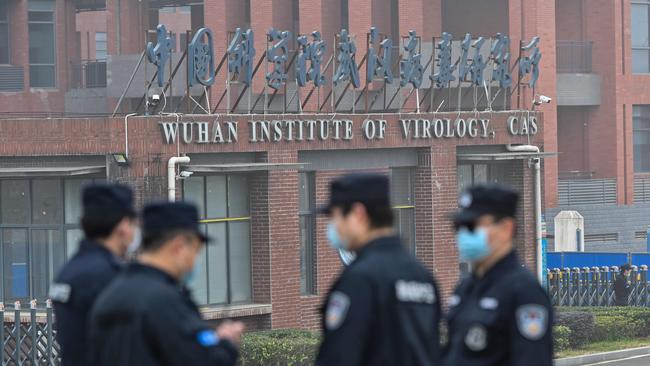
(14, 201)
(47, 257)
(480, 173)
(306, 254)
(216, 196)
(193, 192)
(305, 191)
(640, 61)
(401, 187)
(72, 239)
(237, 196)
(41, 76)
(199, 284)
(464, 177)
(41, 44)
(46, 202)
(218, 264)
(4, 43)
(407, 228)
(240, 261)
(639, 16)
(16, 268)
(40, 16)
(3, 11)
(73, 188)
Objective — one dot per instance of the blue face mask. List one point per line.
(472, 246)
(334, 239)
(191, 275)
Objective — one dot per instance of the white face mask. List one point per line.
(134, 246)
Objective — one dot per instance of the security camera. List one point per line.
(184, 174)
(543, 99)
(155, 100)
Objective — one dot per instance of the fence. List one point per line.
(88, 74)
(595, 286)
(594, 259)
(28, 336)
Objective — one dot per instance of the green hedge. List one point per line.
(561, 338)
(609, 323)
(286, 347)
(580, 323)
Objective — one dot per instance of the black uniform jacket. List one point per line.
(503, 318)
(145, 318)
(74, 292)
(383, 310)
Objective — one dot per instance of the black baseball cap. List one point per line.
(485, 199)
(163, 217)
(108, 199)
(365, 188)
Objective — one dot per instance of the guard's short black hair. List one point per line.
(625, 267)
(151, 242)
(381, 216)
(100, 226)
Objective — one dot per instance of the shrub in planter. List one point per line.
(580, 323)
(561, 338)
(286, 347)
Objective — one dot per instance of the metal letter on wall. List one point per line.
(410, 69)
(159, 54)
(477, 68)
(277, 55)
(313, 52)
(500, 53)
(347, 68)
(200, 60)
(530, 64)
(463, 63)
(240, 55)
(445, 74)
(377, 66)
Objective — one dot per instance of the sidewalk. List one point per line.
(602, 357)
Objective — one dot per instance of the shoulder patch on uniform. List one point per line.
(337, 309)
(412, 291)
(207, 338)
(60, 292)
(532, 321)
(476, 338)
(489, 303)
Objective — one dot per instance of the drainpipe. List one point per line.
(126, 133)
(171, 175)
(536, 164)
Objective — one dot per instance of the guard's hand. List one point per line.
(231, 331)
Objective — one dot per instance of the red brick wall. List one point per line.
(88, 23)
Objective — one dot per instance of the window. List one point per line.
(42, 54)
(307, 243)
(640, 36)
(224, 275)
(4, 32)
(641, 117)
(39, 230)
(100, 46)
(403, 201)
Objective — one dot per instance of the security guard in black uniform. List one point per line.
(145, 316)
(499, 315)
(109, 226)
(384, 308)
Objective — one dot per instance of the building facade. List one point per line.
(67, 66)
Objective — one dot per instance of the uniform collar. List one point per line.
(505, 264)
(381, 243)
(137, 267)
(93, 246)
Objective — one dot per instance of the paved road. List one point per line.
(632, 361)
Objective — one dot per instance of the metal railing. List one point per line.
(28, 336)
(574, 57)
(642, 188)
(595, 286)
(88, 74)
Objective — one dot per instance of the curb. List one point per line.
(601, 357)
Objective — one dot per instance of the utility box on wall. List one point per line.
(569, 232)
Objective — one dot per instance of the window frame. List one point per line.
(54, 65)
(646, 49)
(227, 220)
(6, 22)
(399, 209)
(635, 129)
(62, 227)
(309, 286)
